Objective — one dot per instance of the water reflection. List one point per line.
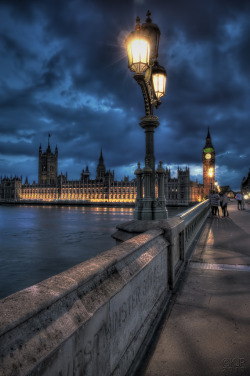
(38, 242)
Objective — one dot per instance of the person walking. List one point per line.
(224, 205)
(243, 203)
(239, 199)
(221, 200)
(215, 198)
(210, 199)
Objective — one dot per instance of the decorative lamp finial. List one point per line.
(137, 26)
(148, 16)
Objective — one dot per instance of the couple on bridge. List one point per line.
(219, 200)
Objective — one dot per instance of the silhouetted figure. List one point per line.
(224, 205)
(215, 199)
(221, 200)
(243, 203)
(239, 199)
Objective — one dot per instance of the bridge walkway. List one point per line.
(206, 330)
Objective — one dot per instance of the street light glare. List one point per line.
(159, 82)
(211, 172)
(138, 55)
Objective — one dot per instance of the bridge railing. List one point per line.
(98, 317)
(194, 219)
(91, 319)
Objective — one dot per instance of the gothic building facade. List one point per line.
(245, 184)
(103, 176)
(10, 189)
(103, 189)
(179, 191)
(47, 167)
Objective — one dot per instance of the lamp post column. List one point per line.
(149, 123)
(139, 197)
(152, 208)
(160, 210)
(147, 202)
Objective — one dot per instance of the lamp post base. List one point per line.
(160, 211)
(148, 207)
(150, 210)
(147, 212)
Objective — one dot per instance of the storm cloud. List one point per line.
(64, 72)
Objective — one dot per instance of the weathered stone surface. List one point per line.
(93, 319)
(137, 226)
(130, 308)
(65, 325)
(171, 228)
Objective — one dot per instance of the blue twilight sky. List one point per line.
(63, 71)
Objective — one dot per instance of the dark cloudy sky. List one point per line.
(63, 71)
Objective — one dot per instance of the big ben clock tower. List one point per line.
(208, 159)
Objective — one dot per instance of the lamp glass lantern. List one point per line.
(159, 76)
(138, 50)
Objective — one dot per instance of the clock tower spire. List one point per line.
(208, 159)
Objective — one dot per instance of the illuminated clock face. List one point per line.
(208, 156)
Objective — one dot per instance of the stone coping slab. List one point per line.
(24, 304)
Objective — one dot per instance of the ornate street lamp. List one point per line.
(217, 187)
(142, 49)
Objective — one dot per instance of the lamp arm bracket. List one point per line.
(148, 94)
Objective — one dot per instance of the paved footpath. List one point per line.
(206, 331)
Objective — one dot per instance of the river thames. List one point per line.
(37, 242)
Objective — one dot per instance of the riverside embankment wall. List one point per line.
(97, 317)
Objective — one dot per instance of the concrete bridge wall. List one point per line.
(97, 317)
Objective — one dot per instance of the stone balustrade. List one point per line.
(194, 219)
(98, 317)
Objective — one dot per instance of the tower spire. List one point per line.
(101, 157)
(101, 170)
(208, 140)
(48, 148)
(208, 133)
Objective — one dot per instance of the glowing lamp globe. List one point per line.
(138, 50)
(159, 76)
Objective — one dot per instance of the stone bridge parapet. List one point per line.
(97, 317)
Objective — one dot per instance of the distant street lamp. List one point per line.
(211, 174)
(142, 49)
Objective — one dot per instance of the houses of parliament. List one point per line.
(51, 187)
